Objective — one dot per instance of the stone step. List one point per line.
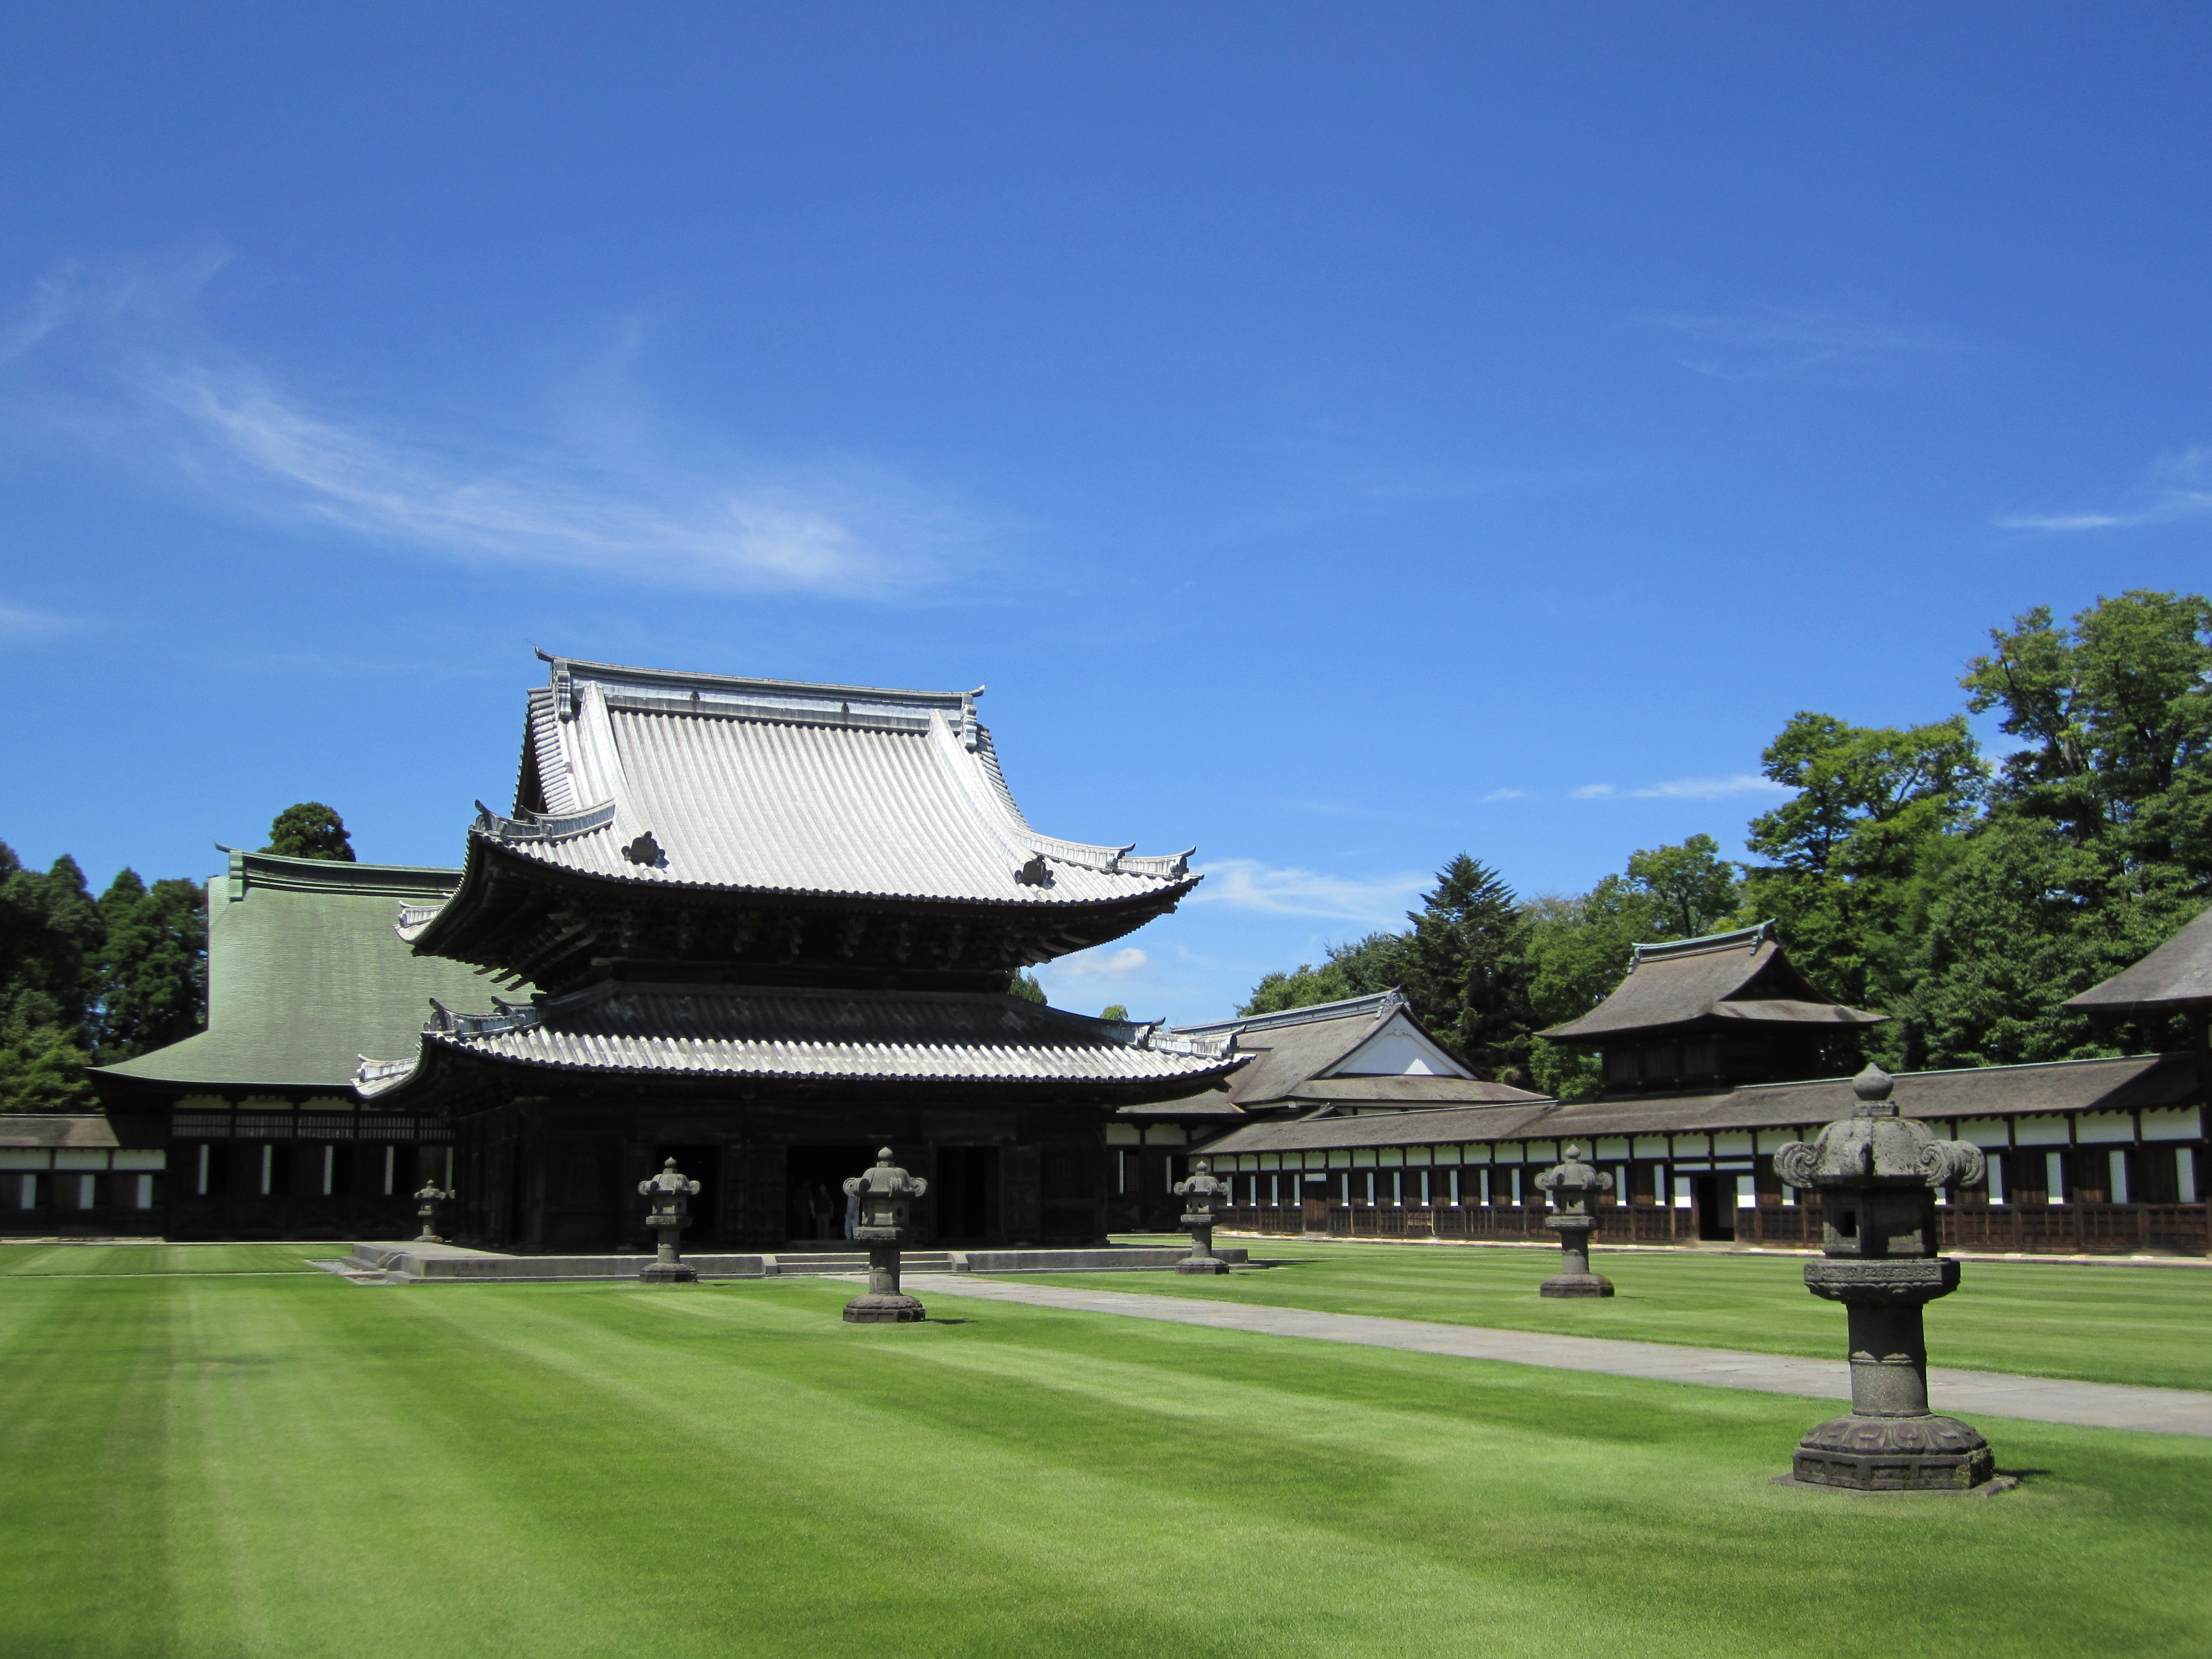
(841, 1261)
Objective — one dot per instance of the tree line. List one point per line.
(91, 981)
(1967, 897)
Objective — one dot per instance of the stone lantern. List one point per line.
(1576, 1185)
(1877, 1176)
(1203, 1196)
(668, 1213)
(426, 1207)
(886, 1195)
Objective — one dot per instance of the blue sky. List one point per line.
(1340, 436)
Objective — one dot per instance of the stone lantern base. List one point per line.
(1201, 1264)
(895, 1308)
(668, 1273)
(1576, 1285)
(1893, 1454)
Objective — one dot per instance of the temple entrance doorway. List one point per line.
(815, 1177)
(1715, 1219)
(966, 1195)
(702, 1164)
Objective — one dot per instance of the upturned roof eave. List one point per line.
(1832, 1016)
(433, 937)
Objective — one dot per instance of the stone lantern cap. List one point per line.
(1202, 1195)
(887, 1194)
(1875, 1150)
(1573, 1180)
(670, 1193)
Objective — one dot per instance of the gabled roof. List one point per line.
(1739, 979)
(1303, 1057)
(303, 975)
(646, 778)
(2176, 975)
(736, 1031)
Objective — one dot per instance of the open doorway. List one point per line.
(1714, 1199)
(966, 1195)
(814, 1193)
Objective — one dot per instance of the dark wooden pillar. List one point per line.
(1018, 1176)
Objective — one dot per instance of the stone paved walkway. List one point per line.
(1968, 1394)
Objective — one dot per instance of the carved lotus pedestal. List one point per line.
(1574, 1277)
(1891, 1441)
(884, 1303)
(667, 1270)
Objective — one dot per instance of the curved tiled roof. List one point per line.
(648, 778)
(776, 1031)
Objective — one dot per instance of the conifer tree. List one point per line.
(310, 831)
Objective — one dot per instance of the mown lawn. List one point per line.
(117, 1260)
(2094, 1323)
(230, 1468)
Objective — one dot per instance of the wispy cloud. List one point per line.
(26, 622)
(1102, 963)
(1742, 783)
(1793, 345)
(1249, 884)
(2175, 487)
(125, 363)
(1504, 794)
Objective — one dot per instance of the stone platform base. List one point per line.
(884, 1311)
(1893, 1454)
(1192, 1264)
(408, 1263)
(1576, 1285)
(670, 1273)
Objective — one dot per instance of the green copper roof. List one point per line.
(306, 974)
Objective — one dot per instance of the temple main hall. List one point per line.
(764, 928)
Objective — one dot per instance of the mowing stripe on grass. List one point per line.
(2090, 1405)
(274, 1468)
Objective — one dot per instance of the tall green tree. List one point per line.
(1850, 846)
(310, 831)
(1467, 969)
(49, 930)
(2098, 842)
(1362, 968)
(150, 973)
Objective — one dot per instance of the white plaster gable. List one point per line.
(1400, 1049)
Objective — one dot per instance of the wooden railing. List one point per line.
(2041, 1229)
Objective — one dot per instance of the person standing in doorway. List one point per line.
(822, 1211)
(852, 1214)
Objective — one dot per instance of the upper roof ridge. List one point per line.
(1745, 938)
(1375, 1004)
(810, 701)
